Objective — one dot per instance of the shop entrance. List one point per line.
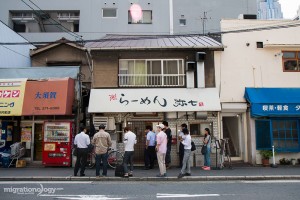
(38, 142)
(231, 130)
(138, 127)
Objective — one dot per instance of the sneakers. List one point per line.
(161, 175)
(187, 174)
(206, 168)
(180, 175)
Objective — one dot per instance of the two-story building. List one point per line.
(259, 82)
(143, 80)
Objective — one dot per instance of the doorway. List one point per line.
(38, 142)
(231, 130)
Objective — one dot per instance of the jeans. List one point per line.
(181, 154)
(128, 159)
(207, 157)
(103, 158)
(168, 154)
(161, 157)
(81, 161)
(150, 155)
(186, 168)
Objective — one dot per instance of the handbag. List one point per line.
(203, 149)
(193, 146)
(90, 148)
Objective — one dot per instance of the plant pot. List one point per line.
(293, 162)
(265, 162)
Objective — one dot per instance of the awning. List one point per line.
(275, 102)
(154, 100)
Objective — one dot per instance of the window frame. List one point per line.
(296, 58)
(284, 139)
(180, 24)
(141, 20)
(109, 9)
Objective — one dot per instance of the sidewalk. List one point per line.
(237, 173)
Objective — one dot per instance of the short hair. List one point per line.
(81, 129)
(185, 131)
(126, 129)
(165, 123)
(102, 126)
(184, 125)
(149, 128)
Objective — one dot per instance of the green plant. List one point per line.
(266, 154)
(284, 161)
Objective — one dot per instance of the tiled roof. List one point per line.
(154, 42)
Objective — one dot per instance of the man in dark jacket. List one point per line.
(169, 144)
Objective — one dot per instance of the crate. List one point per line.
(21, 163)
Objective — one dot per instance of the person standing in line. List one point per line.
(82, 140)
(186, 140)
(161, 149)
(129, 142)
(169, 144)
(181, 146)
(206, 142)
(150, 148)
(102, 141)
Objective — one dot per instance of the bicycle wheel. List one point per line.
(114, 158)
(91, 160)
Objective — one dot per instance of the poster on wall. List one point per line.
(26, 135)
(9, 133)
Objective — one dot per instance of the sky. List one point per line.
(289, 8)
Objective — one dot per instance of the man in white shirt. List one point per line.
(129, 142)
(186, 140)
(82, 140)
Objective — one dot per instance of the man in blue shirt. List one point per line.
(150, 154)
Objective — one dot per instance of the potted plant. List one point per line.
(293, 160)
(284, 161)
(266, 155)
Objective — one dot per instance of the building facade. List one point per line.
(260, 61)
(269, 9)
(92, 19)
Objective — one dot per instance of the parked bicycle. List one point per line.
(114, 158)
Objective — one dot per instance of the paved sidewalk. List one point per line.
(237, 173)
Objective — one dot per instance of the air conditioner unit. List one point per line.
(190, 66)
(200, 56)
(108, 122)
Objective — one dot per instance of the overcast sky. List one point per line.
(289, 8)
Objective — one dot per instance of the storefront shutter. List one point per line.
(263, 134)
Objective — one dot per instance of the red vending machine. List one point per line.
(57, 143)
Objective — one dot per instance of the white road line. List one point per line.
(159, 195)
(273, 181)
(47, 182)
(83, 197)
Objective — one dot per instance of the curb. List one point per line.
(151, 179)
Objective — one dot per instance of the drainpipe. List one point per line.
(171, 17)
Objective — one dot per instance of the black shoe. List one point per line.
(180, 175)
(75, 174)
(82, 174)
(188, 174)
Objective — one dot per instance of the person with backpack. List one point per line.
(206, 142)
(186, 140)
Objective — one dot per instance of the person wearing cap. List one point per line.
(82, 140)
(161, 149)
(129, 142)
(102, 142)
(186, 140)
(169, 144)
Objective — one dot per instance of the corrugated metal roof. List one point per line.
(154, 42)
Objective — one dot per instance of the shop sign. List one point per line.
(11, 97)
(276, 109)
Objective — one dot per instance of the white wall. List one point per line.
(240, 66)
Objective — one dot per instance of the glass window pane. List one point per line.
(147, 16)
(290, 65)
(289, 54)
(109, 12)
(182, 22)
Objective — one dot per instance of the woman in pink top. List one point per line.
(161, 149)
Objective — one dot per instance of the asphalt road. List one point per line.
(240, 190)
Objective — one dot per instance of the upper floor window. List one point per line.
(291, 61)
(145, 19)
(151, 73)
(182, 22)
(109, 12)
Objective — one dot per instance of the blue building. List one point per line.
(269, 9)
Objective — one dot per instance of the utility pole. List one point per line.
(204, 19)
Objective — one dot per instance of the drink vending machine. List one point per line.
(57, 143)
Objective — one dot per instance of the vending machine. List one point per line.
(57, 143)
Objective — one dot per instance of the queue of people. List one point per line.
(157, 146)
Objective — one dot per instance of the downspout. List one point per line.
(171, 17)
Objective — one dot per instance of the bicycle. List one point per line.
(114, 158)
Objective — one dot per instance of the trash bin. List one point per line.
(6, 162)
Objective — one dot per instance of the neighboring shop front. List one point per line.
(46, 101)
(137, 108)
(275, 121)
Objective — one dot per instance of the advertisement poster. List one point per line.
(9, 133)
(26, 135)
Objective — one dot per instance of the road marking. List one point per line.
(161, 195)
(83, 197)
(50, 182)
(273, 181)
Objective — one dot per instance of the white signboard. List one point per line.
(154, 100)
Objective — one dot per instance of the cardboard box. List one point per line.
(20, 163)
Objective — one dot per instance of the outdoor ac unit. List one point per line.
(108, 122)
(190, 66)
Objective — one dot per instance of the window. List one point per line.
(283, 134)
(182, 22)
(109, 12)
(146, 18)
(198, 129)
(291, 61)
(19, 28)
(151, 73)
